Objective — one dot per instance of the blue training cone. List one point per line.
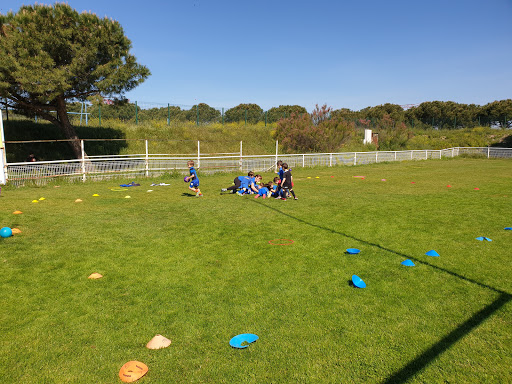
(243, 340)
(508, 228)
(407, 263)
(482, 238)
(353, 251)
(358, 282)
(432, 253)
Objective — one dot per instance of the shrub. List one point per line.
(315, 132)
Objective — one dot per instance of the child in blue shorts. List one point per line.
(193, 179)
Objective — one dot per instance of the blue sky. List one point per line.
(346, 54)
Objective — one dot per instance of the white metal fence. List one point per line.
(151, 165)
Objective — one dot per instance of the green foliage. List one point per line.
(283, 111)
(53, 54)
(207, 114)
(315, 132)
(498, 113)
(392, 136)
(253, 112)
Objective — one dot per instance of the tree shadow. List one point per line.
(98, 141)
(430, 354)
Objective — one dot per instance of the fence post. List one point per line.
(241, 157)
(330, 159)
(81, 113)
(83, 160)
(355, 158)
(303, 161)
(426, 154)
(488, 152)
(395, 155)
(411, 154)
(277, 150)
(136, 114)
(376, 156)
(3, 160)
(147, 158)
(198, 154)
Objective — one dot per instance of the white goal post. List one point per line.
(3, 160)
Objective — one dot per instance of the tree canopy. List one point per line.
(53, 55)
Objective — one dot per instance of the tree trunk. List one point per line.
(67, 128)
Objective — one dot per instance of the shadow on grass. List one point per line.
(430, 354)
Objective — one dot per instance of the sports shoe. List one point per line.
(283, 199)
(198, 194)
(296, 198)
(277, 198)
(224, 190)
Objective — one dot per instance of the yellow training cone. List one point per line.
(78, 200)
(17, 213)
(41, 199)
(95, 195)
(35, 201)
(127, 197)
(15, 230)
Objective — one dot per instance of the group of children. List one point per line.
(280, 188)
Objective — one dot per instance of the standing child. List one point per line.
(287, 183)
(193, 179)
(280, 173)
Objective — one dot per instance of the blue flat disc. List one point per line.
(508, 228)
(432, 253)
(358, 282)
(353, 251)
(407, 263)
(244, 338)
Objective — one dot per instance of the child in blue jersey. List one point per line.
(240, 183)
(264, 190)
(280, 174)
(254, 184)
(193, 179)
(275, 185)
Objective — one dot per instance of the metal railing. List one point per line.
(153, 165)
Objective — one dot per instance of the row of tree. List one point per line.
(437, 114)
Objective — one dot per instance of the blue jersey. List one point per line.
(244, 181)
(281, 173)
(193, 173)
(194, 181)
(263, 191)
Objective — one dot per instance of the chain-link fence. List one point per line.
(150, 165)
(137, 112)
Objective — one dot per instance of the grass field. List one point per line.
(201, 270)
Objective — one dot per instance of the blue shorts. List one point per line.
(194, 183)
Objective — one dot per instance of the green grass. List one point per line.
(200, 271)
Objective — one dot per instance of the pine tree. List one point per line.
(53, 55)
